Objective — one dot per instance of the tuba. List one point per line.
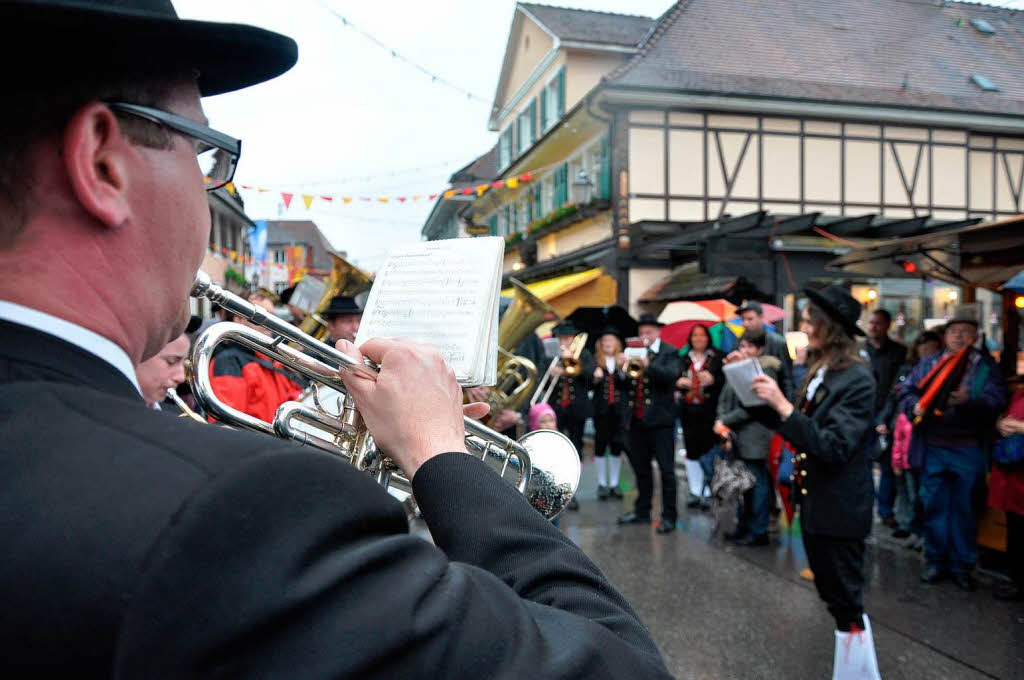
(346, 279)
(543, 465)
(517, 375)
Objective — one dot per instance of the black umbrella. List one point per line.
(593, 320)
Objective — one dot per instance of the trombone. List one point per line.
(572, 366)
(543, 465)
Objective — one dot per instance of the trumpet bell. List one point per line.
(556, 471)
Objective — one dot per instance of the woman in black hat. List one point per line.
(610, 411)
(829, 427)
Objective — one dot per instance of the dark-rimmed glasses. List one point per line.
(216, 152)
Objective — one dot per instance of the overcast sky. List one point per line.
(349, 111)
(350, 119)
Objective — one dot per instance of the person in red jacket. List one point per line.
(249, 381)
(1006, 493)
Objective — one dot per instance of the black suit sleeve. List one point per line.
(835, 438)
(296, 565)
(665, 368)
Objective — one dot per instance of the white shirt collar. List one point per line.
(656, 345)
(819, 377)
(69, 332)
(609, 362)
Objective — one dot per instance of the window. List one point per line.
(523, 208)
(279, 256)
(561, 184)
(525, 128)
(505, 148)
(552, 105)
(548, 195)
(502, 222)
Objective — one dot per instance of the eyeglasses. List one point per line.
(216, 152)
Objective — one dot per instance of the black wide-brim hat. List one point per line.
(839, 305)
(565, 328)
(649, 320)
(341, 304)
(611, 330)
(38, 35)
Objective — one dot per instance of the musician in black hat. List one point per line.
(652, 427)
(829, 427)
(342, 316)
(611, 411)
(570, 398)
(136, 545)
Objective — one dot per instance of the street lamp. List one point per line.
(582, 188)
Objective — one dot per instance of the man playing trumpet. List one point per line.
(137, 545)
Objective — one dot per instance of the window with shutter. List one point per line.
(494, 224)
(538, 208)
(561, 93)
(604, 184)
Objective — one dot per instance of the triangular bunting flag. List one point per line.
(329, 199)
(308, 200)
(433, 196)
(346, 200)
(512, 183)
(448, 194)
(287, 198)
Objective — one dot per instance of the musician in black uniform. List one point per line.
(571, 398)
(829, 427)
(652, 428)
(611, 412)
(141, 546)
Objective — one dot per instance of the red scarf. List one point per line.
(695, 395)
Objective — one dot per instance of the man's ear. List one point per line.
(96, 158)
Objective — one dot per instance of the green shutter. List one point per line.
(494, 224)
(604, 186)
(533, 116)
(561, 93)
(538, 206)
(561, 186)
(543, 110)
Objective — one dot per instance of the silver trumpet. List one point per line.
(543, 465)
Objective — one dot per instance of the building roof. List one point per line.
(301, 232)
(888, 52)
(586, 25)
(484, 167)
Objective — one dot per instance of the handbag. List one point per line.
(1009, 450)
(785, 466)
(732, 478)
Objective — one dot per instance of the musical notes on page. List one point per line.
(444, 293)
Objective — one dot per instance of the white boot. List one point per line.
(855, 655)
(695, 478)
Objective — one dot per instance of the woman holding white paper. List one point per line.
(829, 427)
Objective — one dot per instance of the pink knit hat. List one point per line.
(538, 411)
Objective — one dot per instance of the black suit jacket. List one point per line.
(578, 388)
(137, 545)
(658, 388)
(617, 413)
(832, 433)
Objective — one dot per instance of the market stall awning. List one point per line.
(984, 254)
(689, 283)
(591, 288)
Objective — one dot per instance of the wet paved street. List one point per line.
(721, 611)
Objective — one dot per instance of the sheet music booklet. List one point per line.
(740, 374)
(445, 293)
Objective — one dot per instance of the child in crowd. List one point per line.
(542, 417)
(749, 441)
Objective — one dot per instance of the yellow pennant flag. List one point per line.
(308, 200)
(382, 200)
(512, 183)
(448, 194)
(346, 200)
(481, 188)
(230, 186)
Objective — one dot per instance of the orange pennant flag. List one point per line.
(448, 194)
(287, 198)
(382, 200)
(481, 188)
(346, 200)
(230, 186)
(308, 200)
